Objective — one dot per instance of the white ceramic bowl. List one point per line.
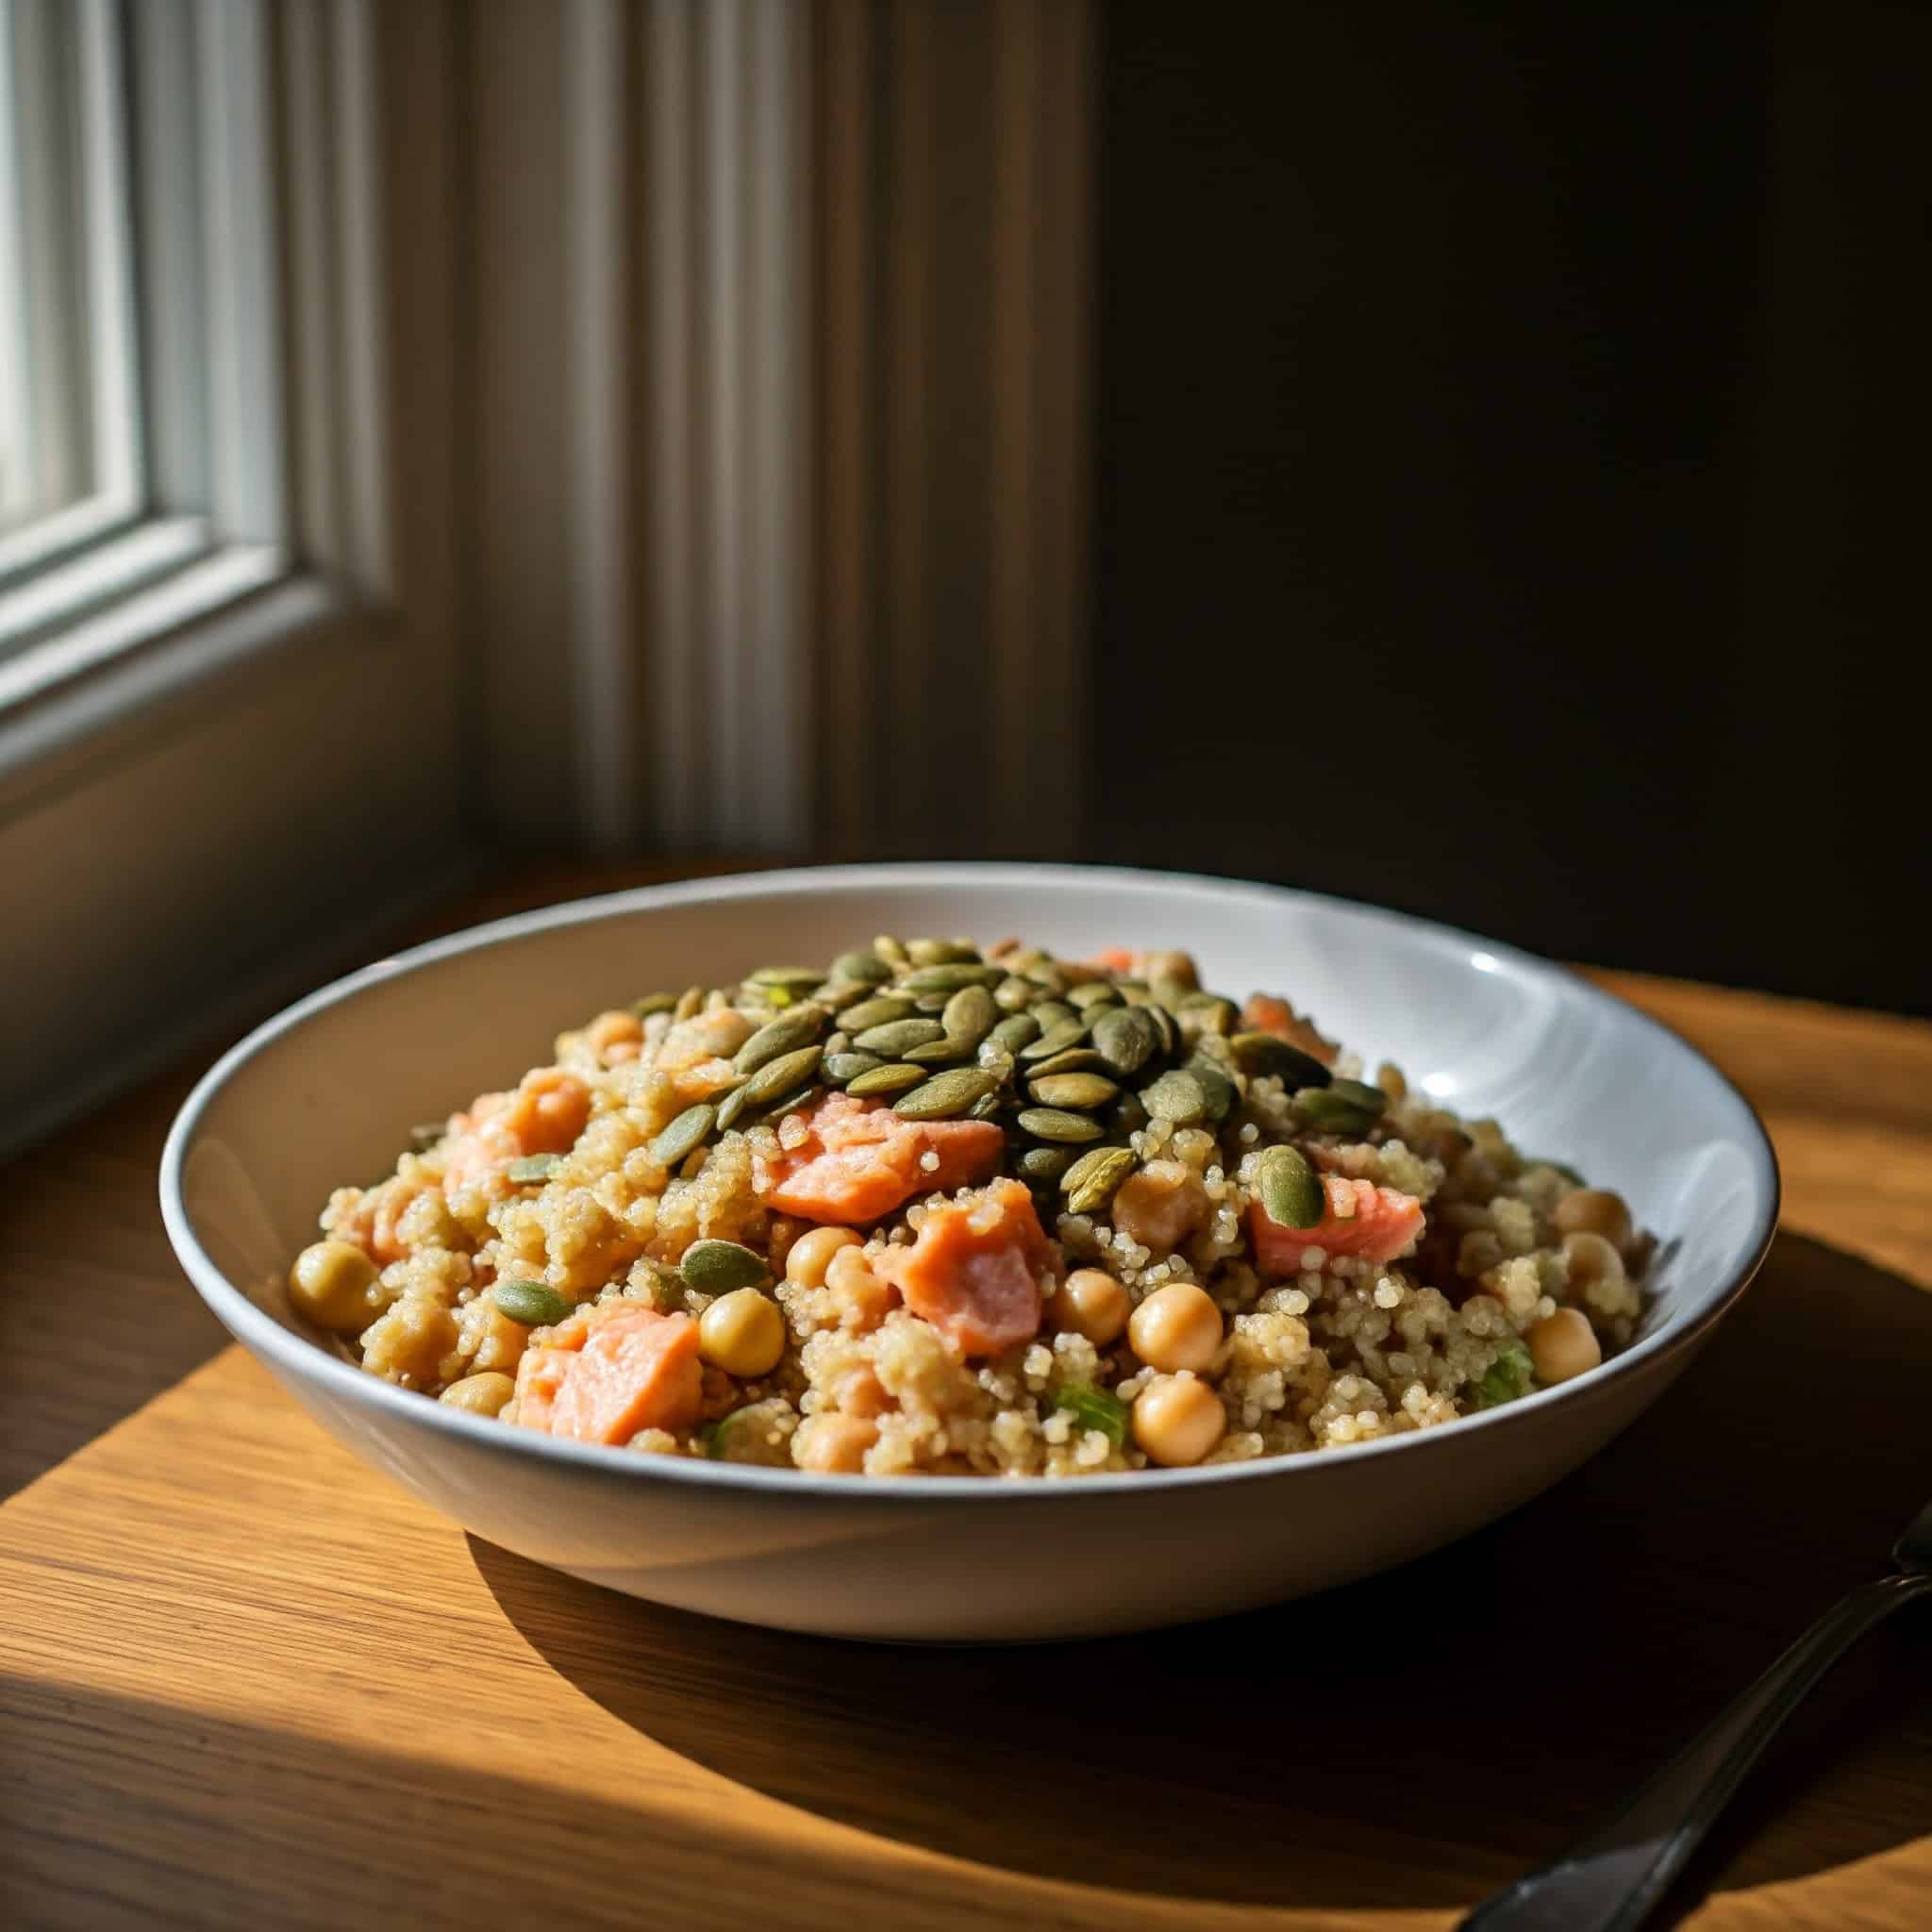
(326, 1091)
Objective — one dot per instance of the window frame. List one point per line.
(65, 265)
(273, 615)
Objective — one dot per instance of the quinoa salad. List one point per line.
(945, 1210)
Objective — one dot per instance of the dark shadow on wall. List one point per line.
(1412, 1741)
(1510, 424)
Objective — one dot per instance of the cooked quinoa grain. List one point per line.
(1118, 1222)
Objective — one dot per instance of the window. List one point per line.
(229, 706)
(69, 430)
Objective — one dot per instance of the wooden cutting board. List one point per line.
(244, 1681)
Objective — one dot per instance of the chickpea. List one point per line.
(811, 1254)
(833, 1444)
(743, 1333)
(483, 1395)
(1176, 1327)
(1595, 1210)
(329, 1284)
(1179, 1420)
(864, 1299)
(1562, 1345)
(1590, 1258)
(1092, 1302)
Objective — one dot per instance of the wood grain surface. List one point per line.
(244, 1681)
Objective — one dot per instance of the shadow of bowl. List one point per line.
(1413, 1741)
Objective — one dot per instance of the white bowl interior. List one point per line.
(325, 1095)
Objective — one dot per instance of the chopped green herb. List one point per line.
(1512, 1375)
(1093, 1409)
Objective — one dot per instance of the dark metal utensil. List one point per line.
(1610, 1880)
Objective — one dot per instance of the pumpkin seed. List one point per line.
(1207, 1012)
(950, 978)
(841, 1067)
(1077, 1059)
(1168, 991)
(892, 1079)
(942, 1052)
(1164, 1025)
(875, 1012)
(896, 1036)
(941, 951)
(766, 999)
(1013, 994)
(1057, 1039)
(932, 1004)
(693, 1164)
(690, 1001)
(985, 1110)
(717, 1267)
(788, 1031)
(1093, 994)
(1050, 974)
(531, 1304)
(686, 1132)
(1125, 1039)
(1331, 1113)
(534, 1167)
(781, 1076)
(1176, 1096)
(1221, 1091)
(891, 951)
(1057, 1124)
(1052, 1013)
(1072, 1090)
(796, 980)
(653, 1003)
(1020, 1029)
(730, 1107)
(1089, 1184)
(1262, 1055)
(867, 968)
(946, 1096)
(1291, 1190)
(1045, 1163)
(1371, 1099)
(796, 1102)
(970, 1014)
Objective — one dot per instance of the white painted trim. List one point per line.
(247, 486)
(108, 238)
(139, 618)
(108, 570)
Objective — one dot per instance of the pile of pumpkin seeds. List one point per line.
(1069, 1060)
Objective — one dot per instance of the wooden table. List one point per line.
(250, 1683)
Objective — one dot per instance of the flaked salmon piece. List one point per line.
(1360, 1218)
(977, 1269)
(1264, 1013)
(860, 1161)
(609, 1371)
(544, 1115)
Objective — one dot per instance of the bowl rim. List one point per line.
(307, 1360)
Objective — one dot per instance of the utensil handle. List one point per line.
(1608, 1880)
